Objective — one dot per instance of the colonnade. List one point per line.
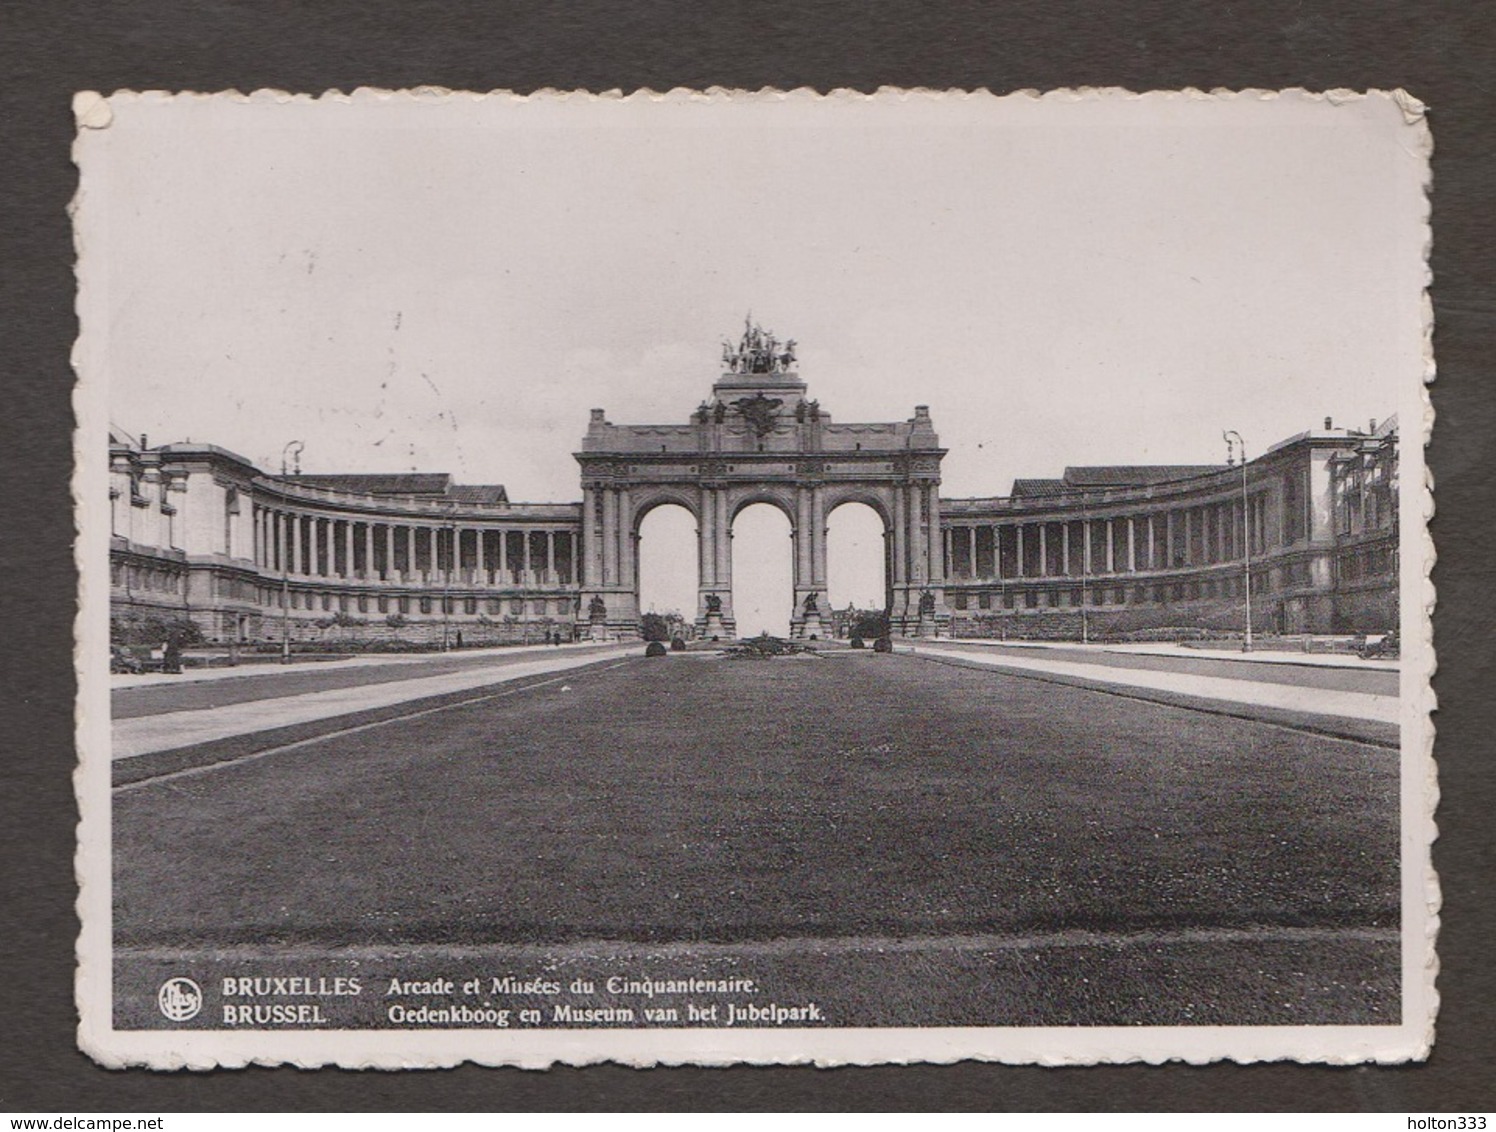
(1163, 539)
(305, 545)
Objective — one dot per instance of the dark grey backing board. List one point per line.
(1442, 52)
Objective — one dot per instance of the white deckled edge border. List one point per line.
(95, 112)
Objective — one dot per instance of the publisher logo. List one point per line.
(180, 999)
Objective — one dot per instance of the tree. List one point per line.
(654, 627)
(870, 623)
(149, 629)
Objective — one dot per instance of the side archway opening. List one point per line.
(667, 567)
(856, 560)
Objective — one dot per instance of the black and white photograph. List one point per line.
(719, 577)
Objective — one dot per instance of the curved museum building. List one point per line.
(251, 556)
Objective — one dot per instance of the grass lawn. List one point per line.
(695, 799)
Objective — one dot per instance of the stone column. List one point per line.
(724, 547)
(589, 542)
(1085, 547)
(1111, 550)
(971, 552)
(525, 569)
(1043, 550)
(818, 539)
(706, 538)
(1065, 548)
(917, 552)
(1018, 559)
(900, 536)
(369, 571)
(997, 551)
(1169, 539)
(1132, 547)
(550, 556)
(1152, 555)
(626, 539)
(804, 571)
(281, 538)
(935, 558)
(610, 539)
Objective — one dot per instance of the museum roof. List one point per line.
(1133, 475)
(478, 493)
(430, 485)
(1039, 489)
(381, 483)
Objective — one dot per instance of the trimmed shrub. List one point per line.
(857, 643)
(883, 644)
(677, 644)
(654, 648)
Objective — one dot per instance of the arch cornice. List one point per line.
(879, 497)
(643, 500)
(781, 496)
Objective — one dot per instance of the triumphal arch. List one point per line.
(758, 438)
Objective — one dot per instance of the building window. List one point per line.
(495, 605)
(470, 605)
(383, 604)
(425, 605)
(960, 601)
(1031, 599)
(517, 606)
(984, 601)
(363, 603)
(403, 603)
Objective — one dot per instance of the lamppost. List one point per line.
(1232, 437)
(1085, 576)
(290, 455)
(447, 582)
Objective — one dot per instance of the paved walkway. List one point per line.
(1288, 697)
(272, 667)
(1223, 652)
(166, 731)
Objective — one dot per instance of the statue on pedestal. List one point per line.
(597, 610)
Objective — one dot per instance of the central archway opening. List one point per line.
(667, 567)
(763, 582)
(856, 561)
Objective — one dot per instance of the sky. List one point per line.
(452, 285)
